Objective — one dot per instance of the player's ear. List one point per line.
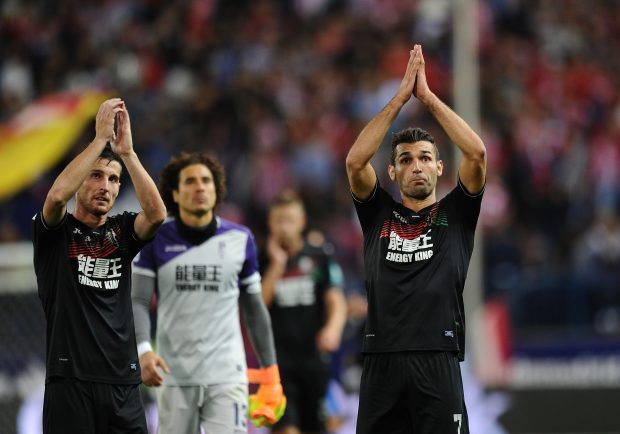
(439, 167)
(392, 172)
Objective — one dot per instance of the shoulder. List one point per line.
(122, 219)
(224, 226)
(460, 194)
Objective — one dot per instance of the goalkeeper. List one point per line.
(202, 269)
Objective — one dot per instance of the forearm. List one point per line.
(258, 325)
(370, 138)
(269, 280)
(459, 132)
(146, 190)
(362, 176)
(336, 310)
(70, 179)
(142, 288)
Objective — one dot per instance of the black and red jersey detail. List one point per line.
(411, 231)
(105, 247)
(415, 269)
(84, 281)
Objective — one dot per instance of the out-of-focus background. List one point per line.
(278, 90)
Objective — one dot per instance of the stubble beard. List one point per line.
(417, 192)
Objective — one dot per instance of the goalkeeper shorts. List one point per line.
(219, 408)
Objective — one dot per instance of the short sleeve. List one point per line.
(368, 210)
(249, 278)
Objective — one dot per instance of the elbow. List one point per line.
(479, 155)
(162, 213)
(56, 198)
(157, 216)
(354, 164)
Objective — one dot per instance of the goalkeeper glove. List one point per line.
(267, 405)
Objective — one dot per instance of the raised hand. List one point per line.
(104, 121)
(276, 253)
(407, 85)
(421, 90)
(123, 142)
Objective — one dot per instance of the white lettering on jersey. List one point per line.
(106, 269)
(295, 291)
(409, 250)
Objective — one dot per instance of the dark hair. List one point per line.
(169, 178)
(411, 135)
(110, 155)
(286, 197)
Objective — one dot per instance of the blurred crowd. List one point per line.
(279, 89)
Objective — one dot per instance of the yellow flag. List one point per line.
(37, 137)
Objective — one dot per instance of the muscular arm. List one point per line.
(153, 209)
(258, 325)
(70, 179)
(361, 174)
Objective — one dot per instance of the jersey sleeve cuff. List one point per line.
(369, 198)
(144, 347)
(467, 193)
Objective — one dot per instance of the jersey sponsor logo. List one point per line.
(198, 277)
(133, 366)
(400, 217)
(175, 248)
(448, 333)
(295, 291)
(99, 272)
(406, 250)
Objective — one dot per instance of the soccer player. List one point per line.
(302, 286)
(203, 268)
(416, 255)
(83, 262)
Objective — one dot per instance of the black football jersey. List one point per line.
(415, 265)
(298, 310)
(84, 281)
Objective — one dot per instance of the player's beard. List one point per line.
(417, 191)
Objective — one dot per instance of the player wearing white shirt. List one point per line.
(202, 268)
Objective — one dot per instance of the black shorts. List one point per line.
(72, 406)
(412, 392)
(305, 387)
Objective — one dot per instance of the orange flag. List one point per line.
(38, 136)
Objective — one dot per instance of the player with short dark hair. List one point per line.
(302, 286)
(83, 266)
(203, 268)
(416, 255)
